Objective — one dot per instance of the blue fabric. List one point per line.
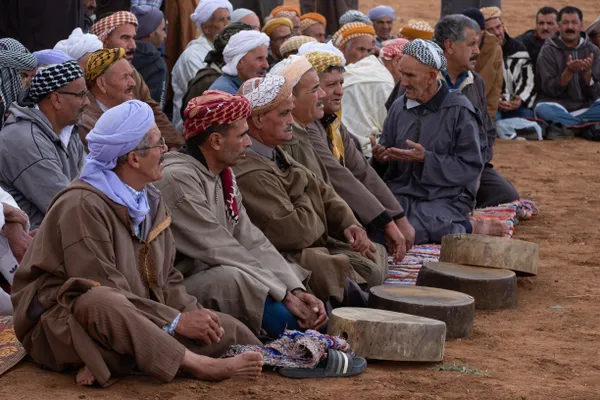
(118, 132)
(170, 329)
(459, 80)
(380, 12)
(522, 112)
(555, 114)
(50, 57)
(227, 83)
(277, 318)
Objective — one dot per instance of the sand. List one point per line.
(532, 352)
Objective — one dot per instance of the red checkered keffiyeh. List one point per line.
(105, 26)
(392, 48)
(218, 108)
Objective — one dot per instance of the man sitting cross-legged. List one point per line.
(227, 262)
(300, 214)
(98, 291)
(431, 150)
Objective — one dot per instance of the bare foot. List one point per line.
(490, 227)
(85, 377)
(244, 366)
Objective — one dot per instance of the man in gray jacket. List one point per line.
(40, 149)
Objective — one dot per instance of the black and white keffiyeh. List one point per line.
(14, 58)
(52, 78)
(426, 52)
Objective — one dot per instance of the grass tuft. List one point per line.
(463, 369)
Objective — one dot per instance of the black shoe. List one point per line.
(592, 133)
(559, 132)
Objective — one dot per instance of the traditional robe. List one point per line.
(354, 179)
(302, 151)
(437, 194)
(229, 267)
(90, 291)
(489, 66)
(304, 219)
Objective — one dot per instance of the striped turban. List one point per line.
(290, 11)
(354, 16)
(351, 31)
(79, 44)
(327, 47)
(99, 62)
(322, 61)
(214, 108)
(107, 25)
(292, 68)
(381, 12)
(426, 52)
(52, 78)
(265, 94)
(309, 19)
(416, 29)
(275, 23)
(392, 48)
(206, 8)
(294, 43)
(14, 58)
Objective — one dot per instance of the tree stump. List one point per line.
(492, 252)
(454, 308)
(387, 335)
(492, 288)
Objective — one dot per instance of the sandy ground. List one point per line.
(532, 352)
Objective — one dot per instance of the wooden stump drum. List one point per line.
(491, 288)
(387, 335)
(454, 308)
(492, 252)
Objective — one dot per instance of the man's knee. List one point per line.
(99, 299)
(226, 282)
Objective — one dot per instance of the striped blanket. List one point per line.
(405, 273)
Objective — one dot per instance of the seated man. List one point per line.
(353, 16)
(278, 30)
(367, 84)
(383, 20)
(518, 95)
(458, 36)
(245, 57)
(247, 17)
(569, 67)
(98, 290)
(313, 24)
(17, 69)
(431, 152)
(349, 172)
(593, 32)
(119, 30)
(290, 12)
(299, 213)
(228, 264)
(109, 78)
(148, 59)
(37, 165)
(545, 27)
(79, 46)
(416, 29)
(209, 18)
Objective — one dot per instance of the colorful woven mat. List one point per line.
(405, 273)
(11, 350)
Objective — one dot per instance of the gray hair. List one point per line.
(145, 142)
(452, 27)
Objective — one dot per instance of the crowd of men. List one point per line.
(146, 232)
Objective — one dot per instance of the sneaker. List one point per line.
(559, 132)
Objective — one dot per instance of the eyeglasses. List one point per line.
(161, 143)
(81, 95)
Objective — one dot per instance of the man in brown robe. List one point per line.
(97, 289)
(299, 213)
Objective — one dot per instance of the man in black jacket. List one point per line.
(546, 27)
(148, 59)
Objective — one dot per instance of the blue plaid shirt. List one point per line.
(153, 3)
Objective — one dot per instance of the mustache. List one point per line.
(474, 58)
(262, 71)
(288, 129)
(162, 159)
(569, 31)
(320, 103)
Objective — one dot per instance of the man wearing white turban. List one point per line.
(99, 283)
(246, 16)
(245, 57)
(210, 17)
(79, 46)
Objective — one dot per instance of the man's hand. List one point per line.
(573, 65)
(516, 103)
(504, 106)
(407, 231)
(586, 68)
(378, 151)
(359, 241)
(306, 316)
(315, 306)
(202, 325)
(396, 243)
(18, 240)
(416, 154)
(15, 215)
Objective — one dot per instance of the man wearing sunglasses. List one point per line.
(40, 149)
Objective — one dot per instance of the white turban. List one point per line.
(316, 46)
(292, 68)
(78, 44)
(239, 45)
(206, 8)
(240, 13)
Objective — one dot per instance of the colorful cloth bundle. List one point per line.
(296, 349)
(406, 272)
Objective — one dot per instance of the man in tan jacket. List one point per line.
(97, 290)
(227, 262)
(300, 214)
(118, 31)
